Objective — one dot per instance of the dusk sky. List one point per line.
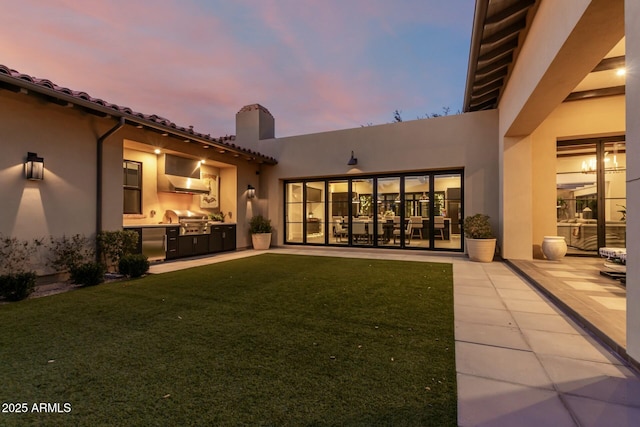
(316, 65)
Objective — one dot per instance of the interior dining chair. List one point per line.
(381, 229)
(359, 230)
(338, 230)
(416, 226)
(407, 232)
(438, 225)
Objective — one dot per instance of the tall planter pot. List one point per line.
(261, 241)
(481, 250)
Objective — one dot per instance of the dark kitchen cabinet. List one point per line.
(215, 239)
(222, 238)
(193, 245)
(172, 242)
(229, 238)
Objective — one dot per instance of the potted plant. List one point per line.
(480, 242)
(260, 229)
(216, 217)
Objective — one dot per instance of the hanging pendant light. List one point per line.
(424, 198)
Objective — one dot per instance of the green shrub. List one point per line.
(477, 227)
(66, 253)
(259, 224)
(16, 255)
(133, 265)
(115, 244)
(17, 286)
(88, 273)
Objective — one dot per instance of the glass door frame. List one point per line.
(599, 145)
(328, 221)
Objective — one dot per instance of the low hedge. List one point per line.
(89, 273)
(133, 265)
(17, 286)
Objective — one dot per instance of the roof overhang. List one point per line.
(21, 83)
(498, 31)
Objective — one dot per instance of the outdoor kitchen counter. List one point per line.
(149, 225)
(171, 225)
(173, 240)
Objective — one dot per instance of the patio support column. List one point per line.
(516, 210)
(632, 29)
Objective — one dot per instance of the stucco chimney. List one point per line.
(254, 123)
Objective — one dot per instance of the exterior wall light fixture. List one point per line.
(251, 191)
(34, 167)
(352, 161)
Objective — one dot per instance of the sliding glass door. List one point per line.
(591, 194)
(416, 210)
(339, 206)
(390, 207)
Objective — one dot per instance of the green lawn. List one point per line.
(266, 340)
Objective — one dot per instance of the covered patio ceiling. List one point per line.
(499, 30)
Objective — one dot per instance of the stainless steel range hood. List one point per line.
(180, 184)
(180, 175)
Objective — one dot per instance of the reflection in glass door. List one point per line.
(314, 212)
(362, 212)
(389, 209)
(294, 212)
(447, 211)
(417, 195)
(339, 202)
(615, 194)
(591, 194)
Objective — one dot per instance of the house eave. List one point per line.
(22, 85)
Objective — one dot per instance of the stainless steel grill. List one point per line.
(191, 223)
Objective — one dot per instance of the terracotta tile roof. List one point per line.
(223, 142)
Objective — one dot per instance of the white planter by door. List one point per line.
(554, 247)
(261, 241)
(481, 250)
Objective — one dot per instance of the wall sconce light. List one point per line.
(34, 167)
(352, 161)
(251, 191)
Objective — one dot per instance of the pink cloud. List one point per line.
(197, 65)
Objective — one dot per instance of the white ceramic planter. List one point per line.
(554, 247)
(261, 241)
(481, 250)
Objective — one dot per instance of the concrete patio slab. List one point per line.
(595, 413)
(520, 294)
(504, 364)
(490, 403)
(547, 322)
(486, 316)
(498, 336)
(479, 301)
(482, 291)
(606, 382)
(540, 307)
(579, 347)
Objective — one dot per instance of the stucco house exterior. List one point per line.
(539, 95)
